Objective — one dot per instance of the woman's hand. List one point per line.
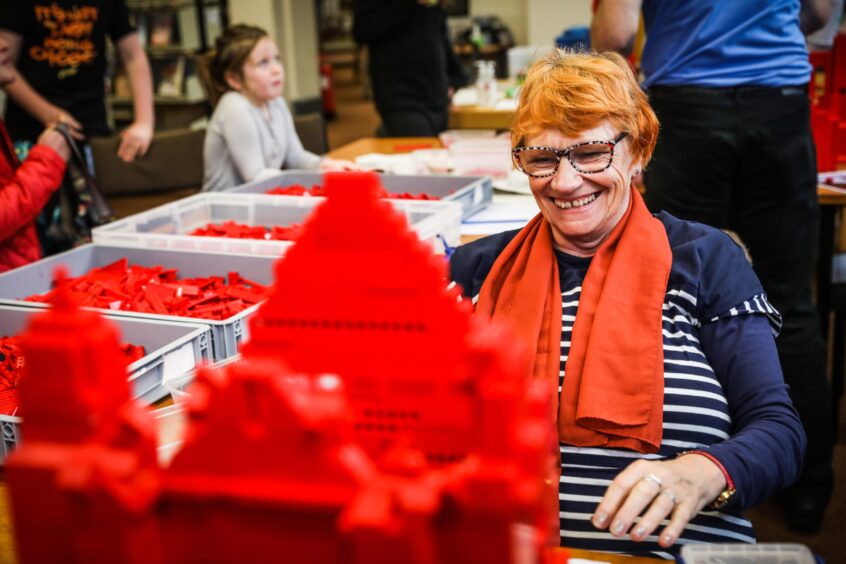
(655, 490)
(327, 164)
(135, 140)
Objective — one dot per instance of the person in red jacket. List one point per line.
(25, 186)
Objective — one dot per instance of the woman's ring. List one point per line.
(653, 478)
(670, 495)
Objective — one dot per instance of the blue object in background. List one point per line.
(574, 39)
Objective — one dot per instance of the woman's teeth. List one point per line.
(575, 203)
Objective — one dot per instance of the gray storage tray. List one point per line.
(37, 278)
(173, 349)
(473, 192)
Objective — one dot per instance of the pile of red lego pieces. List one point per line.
(318, 190)
(232, 230)
(12, 362)
(120, 286)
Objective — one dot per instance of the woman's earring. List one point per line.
(635, 172)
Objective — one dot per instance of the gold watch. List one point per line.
(726, 495)
(722, 499)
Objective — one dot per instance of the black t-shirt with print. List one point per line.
(63, 57)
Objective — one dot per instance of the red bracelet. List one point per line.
(712, 458)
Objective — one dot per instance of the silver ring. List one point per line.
(669, 494)
(653, 478)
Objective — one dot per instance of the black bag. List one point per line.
(75, 208)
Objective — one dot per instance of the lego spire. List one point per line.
(75, 375)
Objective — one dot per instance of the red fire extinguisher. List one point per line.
(327, 90)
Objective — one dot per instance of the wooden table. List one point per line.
(612, 558)
(476, 117)
(479, 117)
(386, 145)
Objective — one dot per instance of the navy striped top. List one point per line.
(723, 387)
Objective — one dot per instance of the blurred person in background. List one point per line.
(25, 186)
(413, 68)
(59, 49)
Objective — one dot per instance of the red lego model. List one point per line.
(82, 483)
(372, 418)
(828, 110)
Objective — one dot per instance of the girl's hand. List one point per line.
(655, 490)
(335, 165)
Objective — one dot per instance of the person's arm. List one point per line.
(614, 25)
(764, 454)
(242, 139)
(137, 137)
(22, 198)
(813, 15)
(373, 19)
(25, 96)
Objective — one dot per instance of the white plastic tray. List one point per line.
(167, 226)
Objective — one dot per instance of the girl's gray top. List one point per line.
(245, 143)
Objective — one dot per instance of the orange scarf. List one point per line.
(613, 393)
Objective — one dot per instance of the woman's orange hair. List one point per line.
(574, 92)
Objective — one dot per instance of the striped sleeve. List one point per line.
(756, 305)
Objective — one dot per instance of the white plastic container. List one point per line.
(451, 136)
(166, 227)
(177, 385)
(833, 178)
(473, 192)
(741, 553)
(482, 157)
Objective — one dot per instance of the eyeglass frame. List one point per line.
(566, 153)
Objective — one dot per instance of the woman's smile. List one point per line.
(577, 203)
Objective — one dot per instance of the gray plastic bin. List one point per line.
(37, 278)
(173, 349)
(473, 192)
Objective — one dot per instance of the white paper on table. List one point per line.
(503, 214)
(465, 97)
(393, 164)
(506, 104)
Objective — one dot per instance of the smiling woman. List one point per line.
(673, 415)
